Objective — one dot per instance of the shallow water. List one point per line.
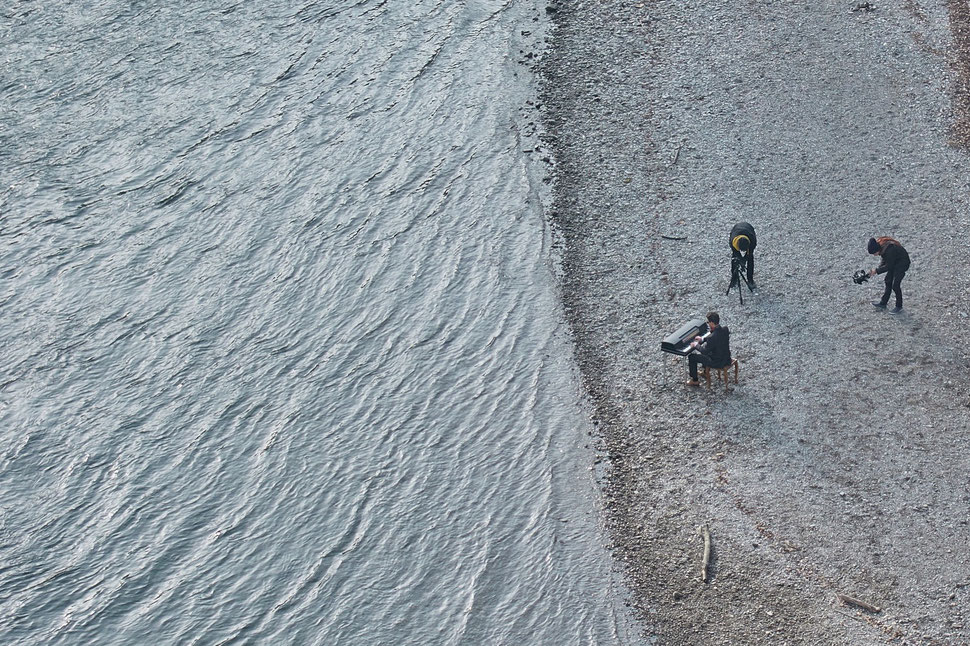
(284, 360)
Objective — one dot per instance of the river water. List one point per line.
(283, 356)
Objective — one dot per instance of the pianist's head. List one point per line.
(713, 318)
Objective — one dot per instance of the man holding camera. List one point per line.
(712, 349)
(895, 262)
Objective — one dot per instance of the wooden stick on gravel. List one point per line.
(844, 598)
(707, 552)
(677, 154)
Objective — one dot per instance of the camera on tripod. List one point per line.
(739, 275)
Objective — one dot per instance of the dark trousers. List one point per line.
(893, 278)
(695, 358)
(738, 263)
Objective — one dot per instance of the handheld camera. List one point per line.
(860, 276)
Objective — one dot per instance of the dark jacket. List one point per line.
(718, 347)
(743, 229)
(894, 259)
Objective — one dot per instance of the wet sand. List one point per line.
(839, 464)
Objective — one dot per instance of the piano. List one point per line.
(679, 342)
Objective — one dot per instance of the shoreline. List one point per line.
(835, 467)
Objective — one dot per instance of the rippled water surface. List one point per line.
(282, 354)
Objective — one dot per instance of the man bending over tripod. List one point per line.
(712, 349)
(743, 241)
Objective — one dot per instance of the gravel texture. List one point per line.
(839, 464)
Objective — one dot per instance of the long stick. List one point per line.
(677, 154)
(844, 598)
(707, 553)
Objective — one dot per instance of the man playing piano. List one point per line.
(712, 349)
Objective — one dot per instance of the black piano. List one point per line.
(679, 342)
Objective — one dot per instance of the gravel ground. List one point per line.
(839, 464)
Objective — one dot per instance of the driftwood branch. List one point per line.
(677, 154)
(706, 561)
(846, 599)
(673, 237)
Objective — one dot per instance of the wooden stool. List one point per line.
(722, 374)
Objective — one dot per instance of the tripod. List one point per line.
(739, 274)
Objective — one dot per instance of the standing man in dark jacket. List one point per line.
(743, 241)
(895, 262)
(714, 351)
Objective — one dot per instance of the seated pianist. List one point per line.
(712, 349)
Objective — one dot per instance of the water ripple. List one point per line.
(284, 362)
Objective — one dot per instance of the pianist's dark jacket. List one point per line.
(718, 347)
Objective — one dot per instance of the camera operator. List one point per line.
(743, 241)
(714, 351)
(895, 262)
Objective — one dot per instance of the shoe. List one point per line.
(752, 287)
(879, 305)
(693, 382)
(896, 310)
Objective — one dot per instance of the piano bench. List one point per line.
(722, 373)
